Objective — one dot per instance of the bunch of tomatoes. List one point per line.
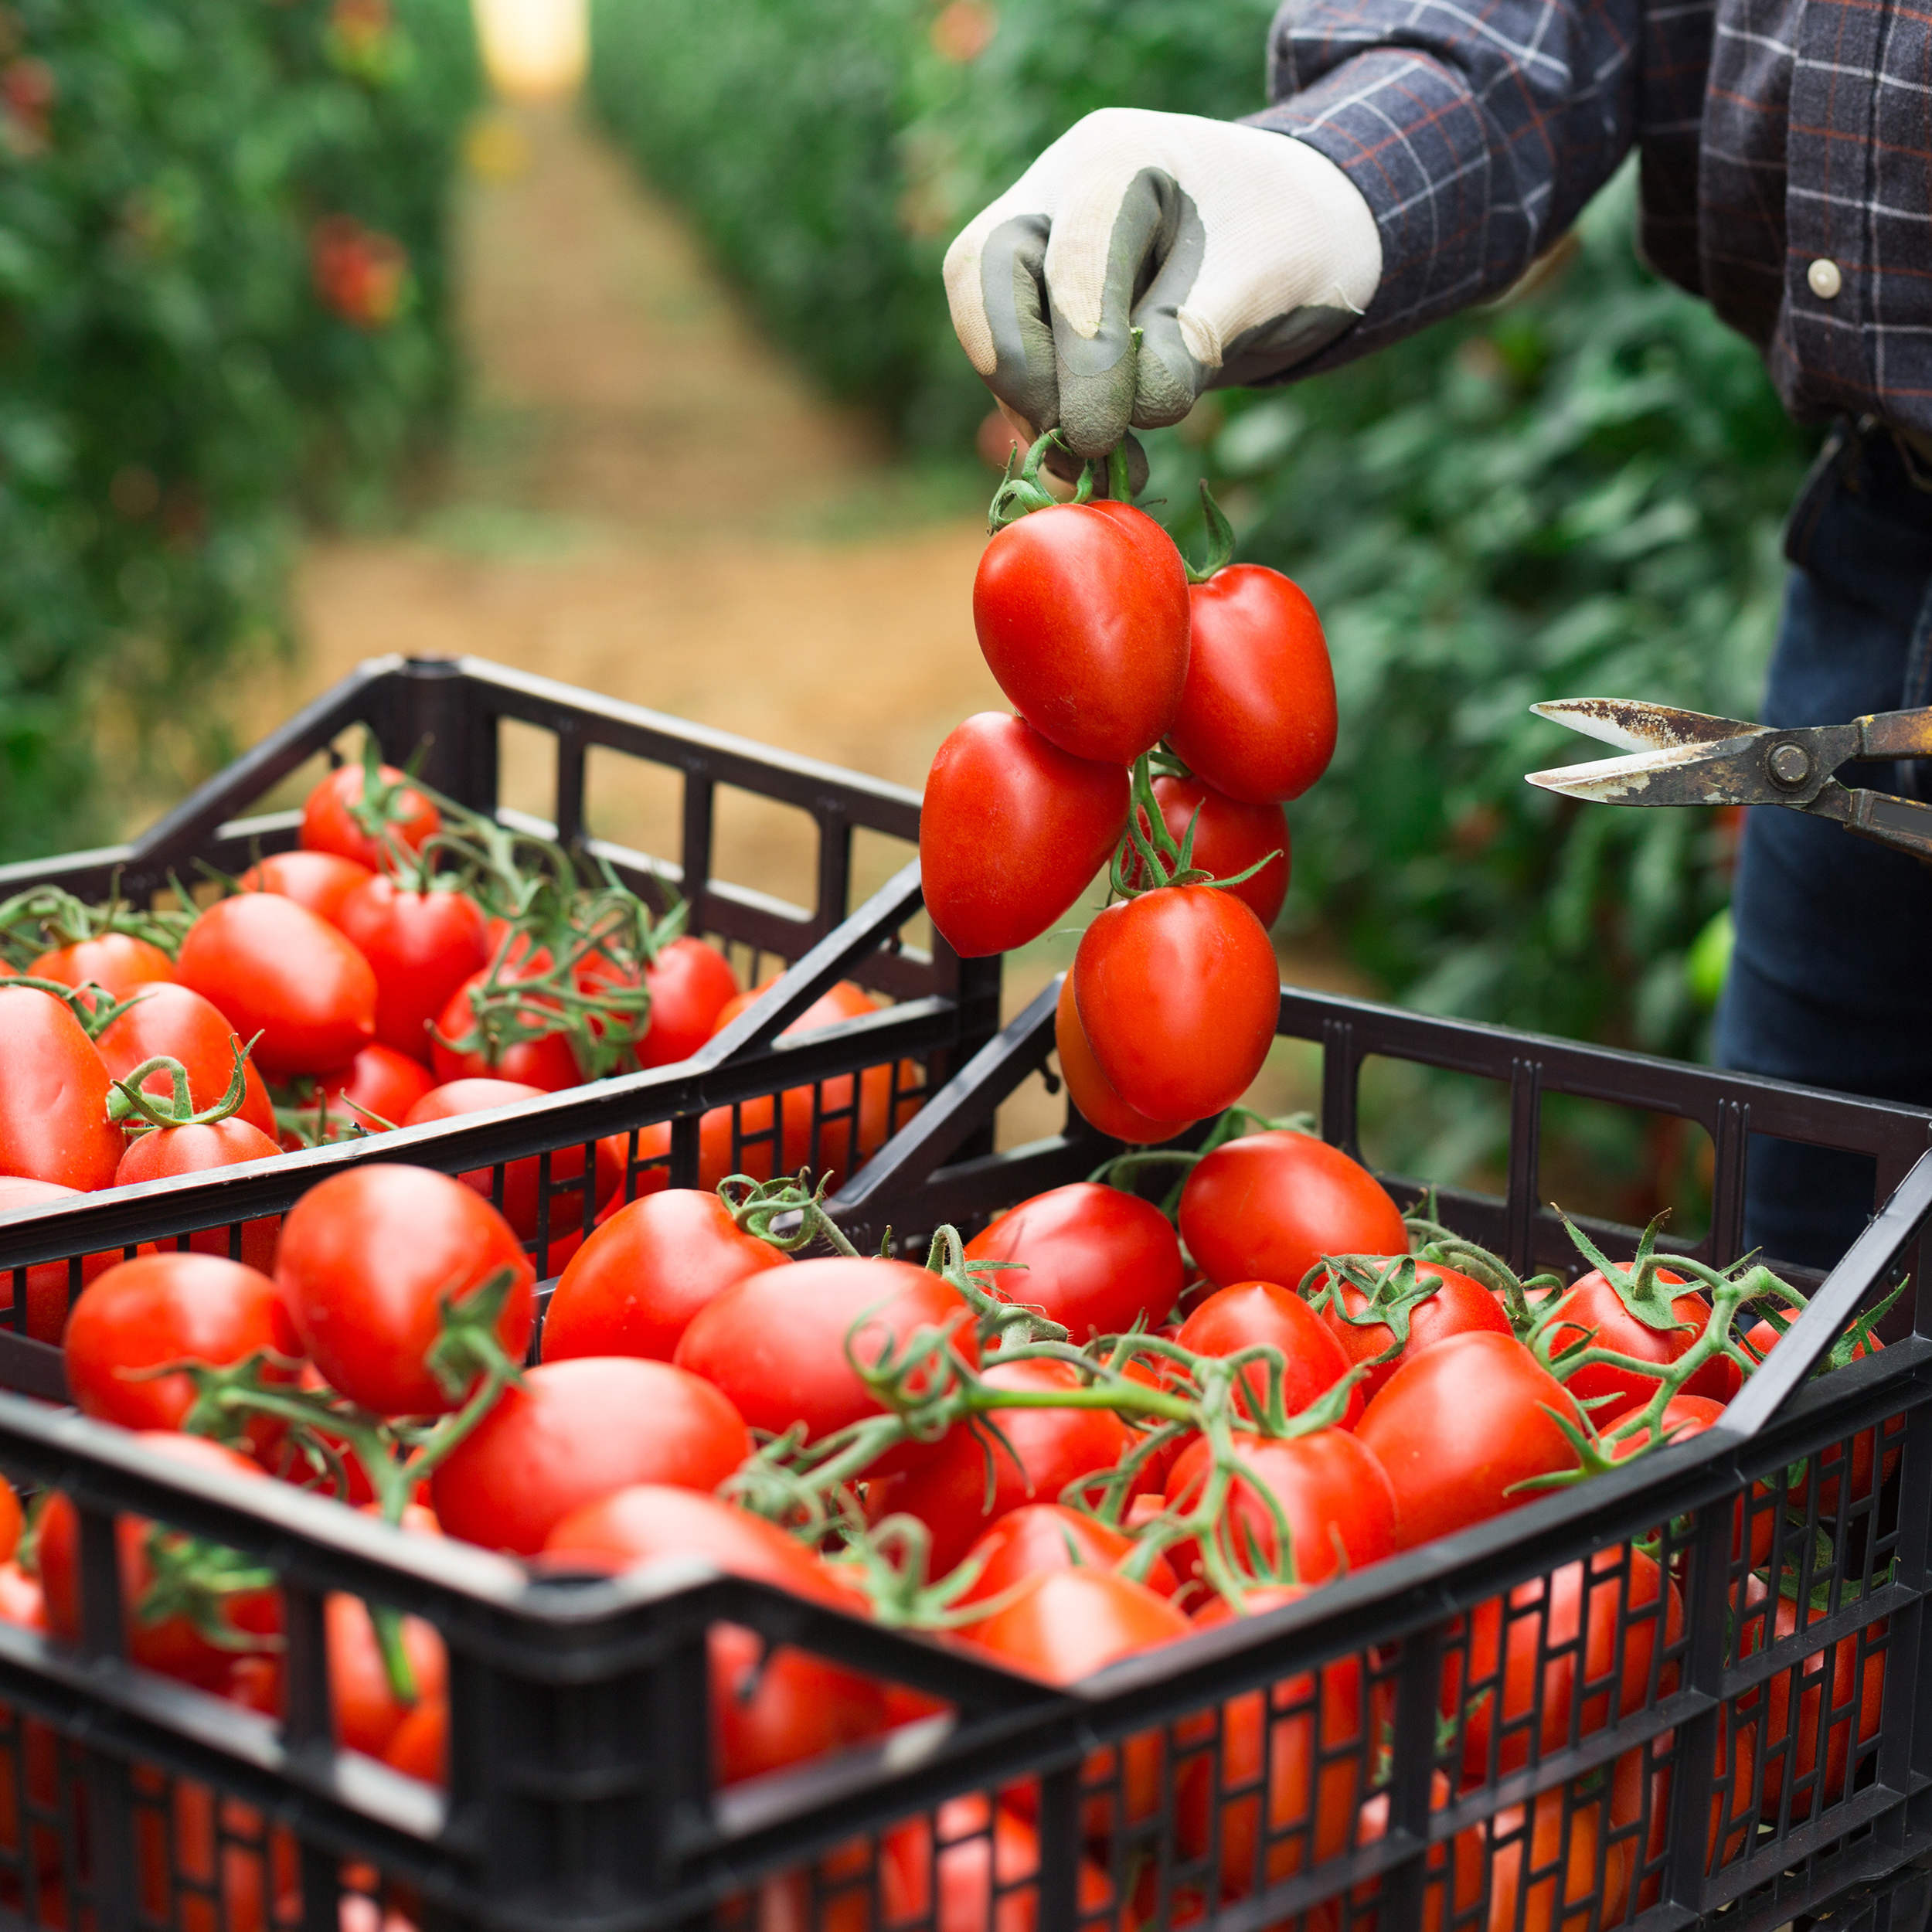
(409, 963)
(1095, 1428)
(1164, 714)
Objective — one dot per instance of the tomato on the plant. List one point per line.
(1178, 992)
(1012, 832)
(319, 880)
(369, 1258)
(776, 1342)
(118, 963)
(329, 822)
(690, 984)
(1089, 1088)
(1247, 1315)
(278, 970)
(1461, 1427)
(178, 1022)
(421, 946)
(1093, 1258)
(1230, 836)
(1269, 1206)
(1082, 614)
(1457, 1306)
(1256, 718)
(574, 1432)
(633, 1288)
(1040, 1536)
(53, 1095)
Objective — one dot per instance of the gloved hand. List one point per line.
(1236, 252)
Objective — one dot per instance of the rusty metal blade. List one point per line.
(1637, 726)
(1729, 773)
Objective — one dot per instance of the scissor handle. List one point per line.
(1902, 823)
(1897, 734)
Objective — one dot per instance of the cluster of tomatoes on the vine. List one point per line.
(1165, 714)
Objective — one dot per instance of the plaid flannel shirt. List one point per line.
(1774, 135)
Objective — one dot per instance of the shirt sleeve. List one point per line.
(1476, 130)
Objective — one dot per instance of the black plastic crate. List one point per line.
(581, 1790)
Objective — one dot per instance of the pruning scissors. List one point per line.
(1686, 758)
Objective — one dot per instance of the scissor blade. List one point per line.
(1723, 773)
(1637, 726)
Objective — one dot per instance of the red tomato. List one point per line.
(173, 1021)
(546, 1062)
(521, 1201)
(168, 1151)
(1305, 1723)
(47, 1283)
(1041, 1536)
(368, 1714)
(329, 823)
(1257, 715)
(421, 946)
(775, 1342)
(690, 986)
(276, 968)
(1758, 1342)
(1268, 1206)
(11, 1522)
(368, 1257)
(1685, 1416)
(172, 1644)
(972, 1477)
(319, 880)
(22, 1603)
(1094, 1259)
(1083, 618)
(1735, 1759)
(970, 1862)
(1340, 1508)
(160, 1308)
(375, 1090)
(767, 1711)
(1444, 1894)
(1457, 1306)
(1089, 1088)
(1494, 1685)
(1592, 1311)
(53, 1095)
(633, 1288)
(1198, 958)
(420, 1748)
(1253, 1313)
(117, 962)
(1596, 1873)
(1459, 1427)
(578, 1431)
(1230, 835)
(1011, 832)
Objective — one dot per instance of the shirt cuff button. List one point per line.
(1824, 276)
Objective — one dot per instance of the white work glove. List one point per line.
(1236, 252)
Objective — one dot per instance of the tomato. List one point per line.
(329, 825)
(118, 963)
(1494, 1685)
(1459, 1427)
(369, 1258)
(1758, 1342)
(1094, 1259)
(1595, 1872)
(973, 1477)
(575, 1432)
(973, 1865)
(1230, 836)
(547, 1061)
(1734, 1758)
(1082, 615)
(12, 1521)
(1446, 1892)
(1592, 1311)
(521, 1202)
(374, 1092)
(368, 1713)
(176, 1022)
(767, 1711)
(1306, 1809)
(1178, 993)
(277, 969)
(172, 1644)
(1040, 1536)
(421, 946)
(319, 880)
(53, 1095)
(1838, 1691)
(1685, 1416)
(48, 1282)
(633, 1288)
(1269, 1206)
(161, 1308)
(1459, 1306)
(420, 1745)
(691, 984)
(1249, 1315)
(776, 1342)
(1011, 832)
(1340, 1508)
(1089, 1088)
(22, 1602)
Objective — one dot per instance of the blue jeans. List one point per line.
(1828, 982)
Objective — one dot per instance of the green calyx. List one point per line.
(1220, 550)
(1149, 858)
(1021, 491)
(129, 1106)
(45, 915)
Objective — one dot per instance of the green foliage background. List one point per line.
(173, 393)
